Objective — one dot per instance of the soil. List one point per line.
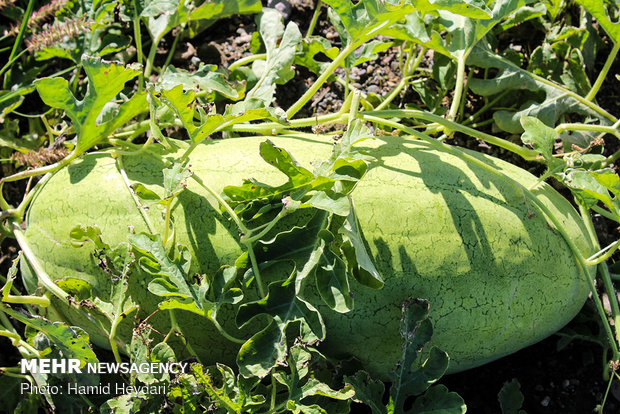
(566, 380)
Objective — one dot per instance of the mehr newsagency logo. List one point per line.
(75, 366)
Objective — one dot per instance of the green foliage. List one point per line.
(510, 398)
(301, 234)
(94, 117)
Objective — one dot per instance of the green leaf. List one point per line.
(105, 82)
(276, 69)
(331, 279)
(186, 107)
(268, 347)
(235, 393)
(72, 342)
(438, 400)
(557, 102)
(608, 178)
(541, 138)
(368, 391)
(283, 161)
(510, 397)
(80, 235)
(312, 46)
(10, 394)
(324, 189)
(218, 9)
(175, 179)
(597, 9)
(413, 377)
(359, 260)
(164, 15)
(174, 277)
(123, 404)
(11, 138)
(367, 52)
(206, 79)
(587, 189)
(299, 387)
(356, 23)
(465, 24)
(76, 287)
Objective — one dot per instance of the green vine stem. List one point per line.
(458, 89)
(18, 213)
(461, 109)
(222, 203)
(250, 238)
(580, 260)
(604, 272)
(32, 173)
(118, 318)
(11, 61)
(138, 37)
(605, 213)
(603, 74)
(486, 107)
(223, 332)
(244, 61)
(27, 299)
(408, 70)
(19, 343)
(315, 17)
(173, 48)
(176, 328)
(603, 254)
(44, 278)
(525, 153)
(242, 228)
(134, 197)
(321, 80)
(588, 127)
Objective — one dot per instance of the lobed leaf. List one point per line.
(438, 400)
(557, 102)
(276, 69)
(105, 82)
(597, 9)
(412, 377)
(510, 397)
(267, 348)
(218, 9)
(368, 391)
(206, 79)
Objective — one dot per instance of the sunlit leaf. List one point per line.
(105, 82)
(597, 9)
(276, 69)
(206, 79)
(557, 101)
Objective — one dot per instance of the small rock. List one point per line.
(545, 402)
(373, 89)
(283, 6)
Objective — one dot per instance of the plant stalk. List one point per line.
(603, 74)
